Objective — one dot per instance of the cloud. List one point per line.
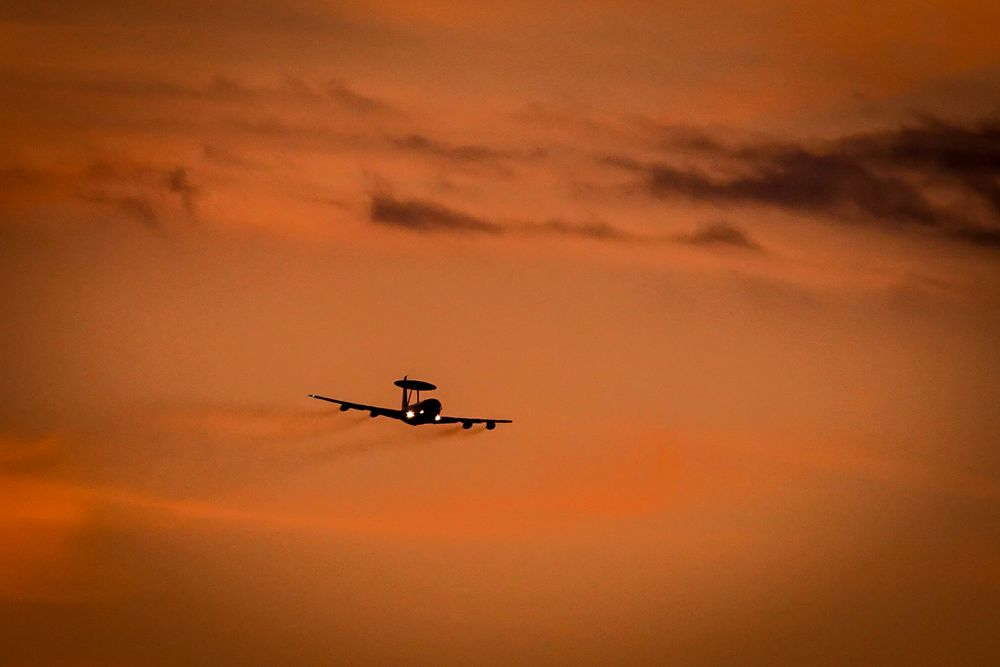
(719, 233)
(179, 184)
(795, 178)
(967, 156)
(932, 175)
(425, 216)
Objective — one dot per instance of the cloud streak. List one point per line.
(430, 217)
(425, 216)
(719, 234)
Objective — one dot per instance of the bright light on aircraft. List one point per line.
(437, 418)
(409, 414)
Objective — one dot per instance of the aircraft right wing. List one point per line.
(467, 422)
(374, 410)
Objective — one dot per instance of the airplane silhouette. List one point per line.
(427, 411)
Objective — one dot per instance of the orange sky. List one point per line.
(731, 268)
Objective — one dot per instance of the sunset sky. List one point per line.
(732, 268)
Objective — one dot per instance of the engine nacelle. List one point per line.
(490, 426)
(466, 425)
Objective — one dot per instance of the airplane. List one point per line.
(427, 411)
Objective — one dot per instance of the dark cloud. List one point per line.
(179, 184)
(931, 175)
(424, 216)
(719, 234)
(796, 178)
(967, 156)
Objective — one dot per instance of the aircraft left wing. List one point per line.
(375, 410)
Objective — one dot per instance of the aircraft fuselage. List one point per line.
(422, 412)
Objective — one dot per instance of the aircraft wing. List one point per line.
(472, 420)
(375, 410)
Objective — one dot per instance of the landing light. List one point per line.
(437, 418)
(409, 414)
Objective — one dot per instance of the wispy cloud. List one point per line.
(432, 217)
(719, 234)
(425, 216)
